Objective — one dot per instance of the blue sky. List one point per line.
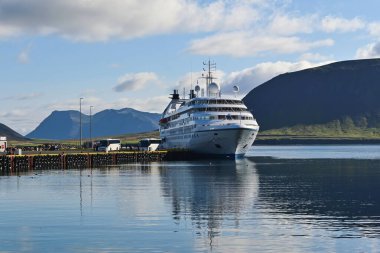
(129, 53)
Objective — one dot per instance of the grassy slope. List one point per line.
(337, 130)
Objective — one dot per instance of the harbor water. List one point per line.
(279, 199)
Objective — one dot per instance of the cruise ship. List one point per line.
(208, 123)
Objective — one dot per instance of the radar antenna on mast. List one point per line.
(235, 90)
(197, 89)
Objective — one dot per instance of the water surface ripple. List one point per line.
(258, 204)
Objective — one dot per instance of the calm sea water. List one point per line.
(324, 202)
(317, 151)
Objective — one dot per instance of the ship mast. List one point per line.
(211, 67)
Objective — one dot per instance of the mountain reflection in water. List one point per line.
(334, 194)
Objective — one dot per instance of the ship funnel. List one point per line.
(175, 94)
(192, 94)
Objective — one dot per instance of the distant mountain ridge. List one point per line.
(61, 125)
(341, 93)
(11, 134)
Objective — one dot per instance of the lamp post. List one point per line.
(91, 125)
(80, 123)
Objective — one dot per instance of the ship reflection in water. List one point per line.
(250, 205)
(211, 195)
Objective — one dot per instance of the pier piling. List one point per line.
(19, 163)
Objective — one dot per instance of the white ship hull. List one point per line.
(233, 141)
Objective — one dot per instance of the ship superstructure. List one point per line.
(208, 123)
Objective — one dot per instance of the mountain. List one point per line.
(342, 95)
(10, 134)
(65, 124)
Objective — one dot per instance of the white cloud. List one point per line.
(14, 113)
(20, 119)
(28, 96)
(369, 51)
(8, 30)
(102, 20)
(315, 57)
(283, 24)
(286, 24)
(249, 78)
(135, 81)
(217, 16)
(241, 44)
(374, 29)
(336, 24)
(150, 104)
(73, 104)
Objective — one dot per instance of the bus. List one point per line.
(150, 144)
(109, 145)
(3, 144)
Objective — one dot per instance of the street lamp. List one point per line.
(91, 124)
(80, 123)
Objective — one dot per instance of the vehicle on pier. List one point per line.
(3, 144)
(109, 145)
(150, 144)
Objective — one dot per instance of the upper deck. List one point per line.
(204, 104)
(214, 101)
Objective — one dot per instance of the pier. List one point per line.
(21, 163)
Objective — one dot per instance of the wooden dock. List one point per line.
(20, 163)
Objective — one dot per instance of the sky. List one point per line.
(129, 53)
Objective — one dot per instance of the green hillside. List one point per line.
(335, 132)
(339, 100)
